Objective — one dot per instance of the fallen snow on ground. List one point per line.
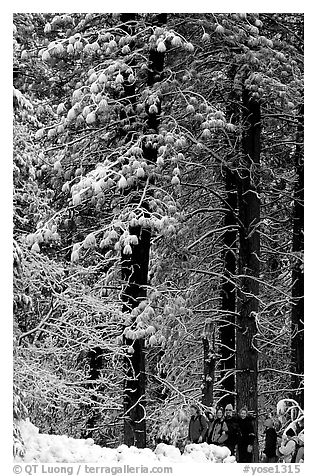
(45, 448)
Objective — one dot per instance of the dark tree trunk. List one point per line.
(297, 345)
(249, 264)
(134, 271)
(135, 274)
(94, 356)
(209, 363)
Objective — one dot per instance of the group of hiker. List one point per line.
(237, 431)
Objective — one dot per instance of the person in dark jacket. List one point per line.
(198, 426)
(210, 419)
(233, 428)
(270, 442)
(218, 433)
(246, 438)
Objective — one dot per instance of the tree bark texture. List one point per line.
(249, 264)
(135, 274)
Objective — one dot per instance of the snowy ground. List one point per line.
(45, 448)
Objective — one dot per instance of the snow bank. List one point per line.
(45, 448)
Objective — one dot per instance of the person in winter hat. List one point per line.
(300, 452)
(198, 425)
(270, 442)
(233, 428)
(246, 437)
(218, 433)
(288, 446)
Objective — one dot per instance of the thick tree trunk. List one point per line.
(135, 274)
(94, 356)
(297, 344)
(249, 264)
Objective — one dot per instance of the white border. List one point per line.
(309, 9)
